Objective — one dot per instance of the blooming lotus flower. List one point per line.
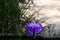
(33, 27)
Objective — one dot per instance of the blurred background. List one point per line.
(14, 14)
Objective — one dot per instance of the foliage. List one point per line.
(10, 13)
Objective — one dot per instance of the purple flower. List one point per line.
(33, 27)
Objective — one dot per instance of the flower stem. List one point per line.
(33, 35)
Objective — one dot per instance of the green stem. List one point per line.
(33, 35)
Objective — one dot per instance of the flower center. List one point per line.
(33, 30)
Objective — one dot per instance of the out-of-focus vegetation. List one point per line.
(12, 18)
(10, 15)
